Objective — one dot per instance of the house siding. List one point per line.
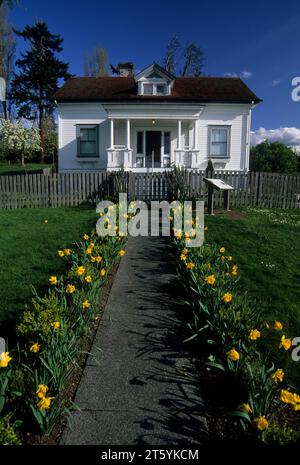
(69, 115)
(237, 116)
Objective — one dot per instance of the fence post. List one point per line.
(258, 189)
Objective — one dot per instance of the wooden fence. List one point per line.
(53, 190)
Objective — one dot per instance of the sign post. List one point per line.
(219, 185)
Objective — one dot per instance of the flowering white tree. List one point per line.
(18, 140)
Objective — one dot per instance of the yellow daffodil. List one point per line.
(211, 279)
(190, 265)
(222, 250)
(93, 259)
(70, 289)
(45, 403)
(89, 250)
(4, 359)
(185, 251)
(121, 253)
(86, 237)
(246, 408)
(42, 390)
(183, 257)
(278, 375)
(98, 259)
(206, 228)
(55, 325)
(234, 270)
(227, 297)
(267, 325)
(80, 271)
(86, 304)
(233, 355)
(222, 258)
(35, 347)
(103, 272)
(254, 334)
(67, 252)
(178, 235)
(60, 253)
(88, 279)
(261, 423)
(278, 326)
(53, 280)
(229, 258)
(288, 397)
(285, 343)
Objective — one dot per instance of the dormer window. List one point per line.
(154, 80)
(148, 89)
(152, 88)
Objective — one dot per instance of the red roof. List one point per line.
(185, 89)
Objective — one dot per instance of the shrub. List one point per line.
(36, 320)
(9, 432)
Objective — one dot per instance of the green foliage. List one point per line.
(210, 167)
(9, 432)
(239, 341)
(39, 73)
(36, 320)
(280, 434)
(273, 157)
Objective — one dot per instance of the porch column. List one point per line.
(128, 134)
(112, 144)
(179, 135)
(195, 134)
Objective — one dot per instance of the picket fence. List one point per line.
(53, 190)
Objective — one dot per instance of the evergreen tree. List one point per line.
(39, 74)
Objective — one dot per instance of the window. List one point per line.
(87, 141)
(148, 89)
(140, 142)
(154, 88)
(167, 143)
(219, 142)
(160, 89)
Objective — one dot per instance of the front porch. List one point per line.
(152, 144)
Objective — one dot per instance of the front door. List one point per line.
(153, 149)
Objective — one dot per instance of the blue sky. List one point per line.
(257, 40)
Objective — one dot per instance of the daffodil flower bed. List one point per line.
(50, 331)
(225, 323)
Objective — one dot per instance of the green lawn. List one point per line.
(266, 246)
(16, 168)
(28, 249)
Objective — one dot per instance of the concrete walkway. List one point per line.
(143, 390)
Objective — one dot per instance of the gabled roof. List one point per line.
(185, 89)
(153, 69)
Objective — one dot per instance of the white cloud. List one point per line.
(288, 136)
(275, 82)
(246, 74)
(242, 74)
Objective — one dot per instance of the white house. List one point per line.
(153, 121)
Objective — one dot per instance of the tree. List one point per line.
(186, 61)
(17, 141)
(40, 72)
(273, 157)
(95, 63)
(7, 52)
(170, 60)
